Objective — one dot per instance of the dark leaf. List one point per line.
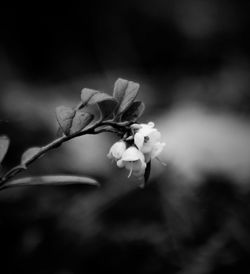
(147, 172)
(65, 117)
(133, 112)
(80, 121)
(107, 108)
(53, 180)
(29, 154)
(125, 92)
(106, 103)
(4, 145)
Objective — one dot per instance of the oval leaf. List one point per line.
(87, 94)
(90, 96)
(29, 154)
(80, 121)
(125, 92)
(133, 112)
(51, 180)
(65, 117)
(4, 145)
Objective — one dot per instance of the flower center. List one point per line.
(146, 139)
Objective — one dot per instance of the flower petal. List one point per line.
(157, 149)
(117, 150)
(120, 163)
(154, 136)
(139, 140)
(146, 131)
(151, 124)
(147, 157)
(131, 154)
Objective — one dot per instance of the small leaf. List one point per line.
(51, 180)
(87, 94)
(29, 154)
(125, 92)
(65, 117)
(90, 96)
(147, 172)
(107, 108)
(4, 145)
(133, 112)
(80, 121)
(106, 103)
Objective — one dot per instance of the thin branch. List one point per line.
(116, 125)
(52, 145)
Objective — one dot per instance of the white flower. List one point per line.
(144, 144)
(117, 150)
(148, 140)
(133, 160)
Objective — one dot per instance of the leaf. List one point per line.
(107, 107)
(4, 145)
(29, 154)
(51, 180)
(91, 96)
(133, 112)
(80, 121)
(125, 92)
(87, 94)
(65, 117)
(147, 172)
(106, 103)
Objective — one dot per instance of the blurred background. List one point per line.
(192, 60)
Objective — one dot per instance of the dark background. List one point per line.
(193, 217)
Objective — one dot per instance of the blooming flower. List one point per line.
(148, 140)
(143, 145)
(133, 160)
(117, 150)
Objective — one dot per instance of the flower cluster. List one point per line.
(138, 149)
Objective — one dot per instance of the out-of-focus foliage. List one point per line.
(192, 61)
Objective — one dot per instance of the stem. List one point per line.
(115, 124)
(52, 145)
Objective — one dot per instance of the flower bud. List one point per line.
(116, 151)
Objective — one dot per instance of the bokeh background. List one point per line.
(191, 59)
